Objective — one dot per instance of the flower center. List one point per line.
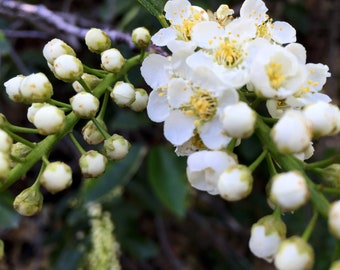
(275, 75)
(202, 105)
(228, 53)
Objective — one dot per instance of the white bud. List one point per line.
(238, 120)
(141, 37)
(334, 218)
(266, 236)
(204, 168)
(112, 60)
(235, 183)
(91, 81)
(5, 165)
(123, 94)
(12, 88)
(32, 110)
(141, 100)
(91, 134)
(288, 190)
(19, 151)
(85, 105)
(35, 88)
(29, 202)
(56, 177)
(292, 133)
(116, 147)
(6, 142)
(294, 253)
(68, 68)
(323, 117)
(49, 119)
(335, 265)
(97, 40)
(92, 163)
(54, 48)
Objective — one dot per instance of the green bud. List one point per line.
(116, 147)
(331, 175)
(141, 37)
(29, 202)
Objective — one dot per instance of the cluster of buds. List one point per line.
(56, 119)
(207, 91)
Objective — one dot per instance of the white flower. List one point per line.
(182, 16)
(35, 88)
(276, 73)
(56, 177)
(288, 190)
(84, 105)
(49, 119)
(204, 168)
(97, 40)
(112, 60)
(266, 236)
(67, 68)
(92, 163)
(123, 94)
(6, 142)
(292, 133)
(294, 253)
(13, 88)
(334, 218)
(235, 183)
(238, 120)
(323, 116)
(54, 48)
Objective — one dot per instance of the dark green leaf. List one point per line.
(9, 218)
(154, 7)
(167, 179)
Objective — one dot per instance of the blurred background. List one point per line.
(159, 221)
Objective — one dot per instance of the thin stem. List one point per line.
(329, 190)
(84, 85)
(103, 106)
(76, 143)
(336, 252)
(271, 166)
(258, 161)
(97, 72)
(105, 134)
(231, 145)
(256, 103)
(269, 120)
(162, 21)
(308, 231)
(57, 103)
(323, 163)
(18, 129)
(19, 138)
(277, 212)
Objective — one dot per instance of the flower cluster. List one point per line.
(55, 119)
(207, 91)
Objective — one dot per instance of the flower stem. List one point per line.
(258, 161)
(308, 231)
(54, 102)
(323, 163)
(76, 143)
(19, 138)
(105, 134)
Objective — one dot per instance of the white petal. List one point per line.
(212, 135)
(178, 127)
(283, 32)
(179, 92)
(241, 29)
(163, 36)
(158, 107)
(154, 70)
(177, 10)
(299, 51)
(254, 9)
(206, 34)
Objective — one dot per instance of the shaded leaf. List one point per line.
(167, 179)
(9, 218)
(154, 7)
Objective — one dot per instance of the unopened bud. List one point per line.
(91, 81)
(56, 177)
(49, 119)
(91, 134)
(116, 147)
(54, 48)
(12, 88)
(141, 37)
(68, 68)
(334, 218)
(5, 142)
(35, 88)
(29, 202)
(85, 105)
(5, 165)
(92, 164)
(123, 94)
(112, 60)
(141, 100)
(19, 151)
(331, 175)
(97, 40)
(266, 236)
(294, 253)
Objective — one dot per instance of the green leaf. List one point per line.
(4, 44)
(167, 179)
(118, 173)
(154, 7)
(9, 218)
